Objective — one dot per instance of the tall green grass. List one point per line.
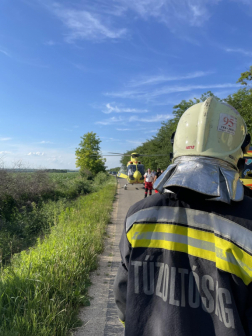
(43, 288)
(30, 203)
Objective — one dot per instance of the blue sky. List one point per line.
(115, 67)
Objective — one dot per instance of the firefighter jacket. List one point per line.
(186, 267)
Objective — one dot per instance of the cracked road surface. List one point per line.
(100, 318)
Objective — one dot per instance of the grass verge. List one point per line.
(42, 290)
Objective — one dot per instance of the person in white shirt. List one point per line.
(148, 180)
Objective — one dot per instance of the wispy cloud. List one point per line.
(50, 43)
(111, 121)
(124, 129)
(101, 20)
(239, 50)
(151, 131)
(147, 119)
(130, 129)
(2, 51)
(148, 80)
(157, 118)
(4, 152)
(5, 139)
(125, 94)
(83, 24)
(173, 12)
(36, 154)
(107, 139)
(148, 95)
(111, 107)
(45, 142)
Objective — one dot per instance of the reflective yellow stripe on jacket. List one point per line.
(207, 244)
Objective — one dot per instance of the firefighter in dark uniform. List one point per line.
(186, 265)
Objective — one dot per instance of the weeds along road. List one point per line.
(100, 318)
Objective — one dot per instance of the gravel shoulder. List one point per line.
(100, 318)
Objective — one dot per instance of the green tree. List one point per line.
(245, 77)
(88, 157)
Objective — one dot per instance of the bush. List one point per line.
(87, 174)
(101, 178)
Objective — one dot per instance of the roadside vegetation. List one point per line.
(44, 286)
(30, 204)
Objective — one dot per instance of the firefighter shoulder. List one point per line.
(186, 265)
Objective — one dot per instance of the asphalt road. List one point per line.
(100, 318)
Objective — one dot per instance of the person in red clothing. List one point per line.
(148, 182)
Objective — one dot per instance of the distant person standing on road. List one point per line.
(148, 180)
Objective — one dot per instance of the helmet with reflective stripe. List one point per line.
(212, 129)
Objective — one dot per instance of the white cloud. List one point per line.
(36, 154)
(55, 159)
(107, 139)
(125, 94)
(110, 121)
(148, 119)
(50, 43)
(130, 129)
(148, 80)
(102, 20)
(2, 51)
(124, 129)
(148, 95)
(5, 139)
(45, 142)
(173, 12)
(83, 24)
(239, 50)
(152, 131)
(111, 107)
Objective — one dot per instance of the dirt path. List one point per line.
(100, 318)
